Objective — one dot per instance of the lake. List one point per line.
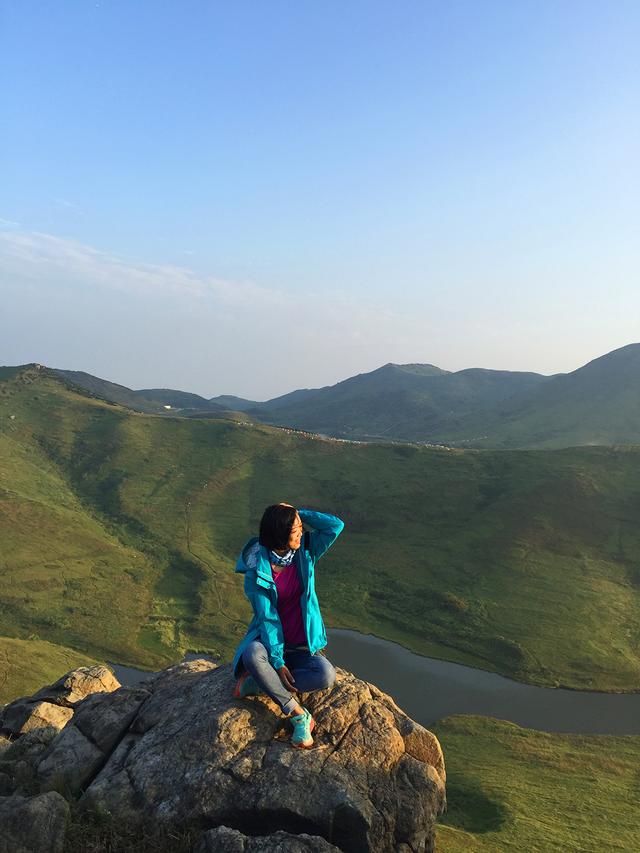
(428, 689)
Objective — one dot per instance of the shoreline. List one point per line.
(511, 678)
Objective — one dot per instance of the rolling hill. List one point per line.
(597, 404)
(149, 400)
(120, 532)
(399, 402)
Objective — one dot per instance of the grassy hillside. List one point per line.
(110, 391)
(401, 401)
(149, 400)
(598, 404)
(120, 532)
(27, 665)
(510, 788)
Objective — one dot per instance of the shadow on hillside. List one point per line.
(470, 809)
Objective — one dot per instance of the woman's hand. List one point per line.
(286, 678)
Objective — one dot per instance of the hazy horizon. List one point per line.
(253, 199)
(208, 395)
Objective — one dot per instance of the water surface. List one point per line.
(428, 689)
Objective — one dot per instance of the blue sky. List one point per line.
(253, 197)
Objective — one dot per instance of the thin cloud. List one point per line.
(34, 255)
(270, 339)
(70, 205)
(337, 316)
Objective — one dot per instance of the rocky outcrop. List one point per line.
(33, 824)
(179, 751)
(77, 754)
(53, 705)
(19, 760)
(225, 840)
(25, 716)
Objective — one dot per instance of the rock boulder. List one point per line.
(53, 705)
(225, 840)
(374, 780)
(33, 824)
(178, 752)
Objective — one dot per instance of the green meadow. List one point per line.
(27, 665)
(510, 788)
(119, 533)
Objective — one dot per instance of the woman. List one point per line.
(279, 654)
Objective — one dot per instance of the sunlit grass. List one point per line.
(120, 534)
(510, 788)
(27, 665)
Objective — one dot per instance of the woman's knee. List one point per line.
(327, 673)
(255, 652)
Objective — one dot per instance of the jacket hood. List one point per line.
(253, 559)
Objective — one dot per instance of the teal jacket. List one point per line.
(260, 588)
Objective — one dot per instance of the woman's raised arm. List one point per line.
(325, 529)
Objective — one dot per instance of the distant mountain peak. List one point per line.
(421, 369)
(392, 368)
(629, 354)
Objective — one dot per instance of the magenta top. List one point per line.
(289, 610)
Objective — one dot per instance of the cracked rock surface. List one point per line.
(374, 780)
(226, 840)
(53, 705)
(78, 753)
(33, 824)
(177, 750)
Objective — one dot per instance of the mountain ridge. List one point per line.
(598, 403)
(120, 531)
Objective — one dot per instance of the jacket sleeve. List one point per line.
(325, 530)
(268, 620)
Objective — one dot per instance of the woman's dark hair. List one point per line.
(275, 526)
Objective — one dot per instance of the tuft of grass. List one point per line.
(95, 831)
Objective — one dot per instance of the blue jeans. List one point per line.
(310, 672)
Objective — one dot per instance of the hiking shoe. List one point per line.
(303, 725)
(246, 685)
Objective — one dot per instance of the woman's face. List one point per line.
(295, 536)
